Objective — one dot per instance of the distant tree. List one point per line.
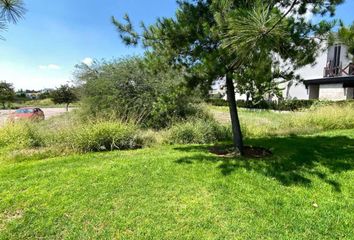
(11, 11)
(45, 94)
(64, 95)
(7, 93)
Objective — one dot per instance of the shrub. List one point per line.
(282, 105)
(129, 90)
(47, 102)
(20, 135)
(103, 136)
(93, 136)
(293, 105)
(69, 134)
(313, 120)
(329, 117)
(198, 131)
(217, 102)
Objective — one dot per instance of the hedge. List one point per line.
(284, 105)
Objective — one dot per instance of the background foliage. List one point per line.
(128, 90)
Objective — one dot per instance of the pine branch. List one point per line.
(281, 18)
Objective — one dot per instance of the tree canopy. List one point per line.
(11, 11)
(344, 35)
(7, 93)
(211, 39)
(128, 89)
(64, 95)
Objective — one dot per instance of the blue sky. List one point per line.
(42, 50)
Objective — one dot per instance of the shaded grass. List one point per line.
(184, 192)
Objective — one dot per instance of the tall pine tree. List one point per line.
(211, 39)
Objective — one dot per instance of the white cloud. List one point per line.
(308, 16)
(25, 76)
(88, 61)
(49, 67)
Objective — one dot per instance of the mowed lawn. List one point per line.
(304, 191)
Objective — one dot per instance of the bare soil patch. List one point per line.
(249, 151)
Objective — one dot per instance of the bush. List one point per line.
(197, 131)
(103, 136)
(313, 120)
(293, 105)
(91, 136)
(47, 102)
(283, 105)
(20, 135)
(69, 134)
(330, 117)
(129, 90)
(217, 102)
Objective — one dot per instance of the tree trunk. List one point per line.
(67, 107)
(235, 121)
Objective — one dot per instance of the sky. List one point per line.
(42, 50)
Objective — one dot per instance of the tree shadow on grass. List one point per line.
(295, 159)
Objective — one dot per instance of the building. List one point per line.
(337, 81)
(330, 78)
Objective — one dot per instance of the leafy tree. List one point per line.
(45, 94)
(211, 39)
(7, 93)
(64, 95)
(11, 11)
(128, 90)
(260, 78)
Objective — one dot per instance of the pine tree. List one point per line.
(11, 11)
(211, 39)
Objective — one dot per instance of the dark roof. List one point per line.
(348, 81)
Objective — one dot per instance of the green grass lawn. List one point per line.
(260, 123)
(304, 191)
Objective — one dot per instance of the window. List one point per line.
(24, 111)
(336, 60)
(337, 53)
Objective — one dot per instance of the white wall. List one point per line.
(297, 91)
(350, 93)
(316, 71)
(332, 92)
(344, 57)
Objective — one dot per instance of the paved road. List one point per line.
(48, 112)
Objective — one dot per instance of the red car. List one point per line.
(27, 113)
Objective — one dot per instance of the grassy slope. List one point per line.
(183, 192)
(258, 123)
(42, 103)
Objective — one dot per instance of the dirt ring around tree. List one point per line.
(249, 151)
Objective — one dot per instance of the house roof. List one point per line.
(348, 81)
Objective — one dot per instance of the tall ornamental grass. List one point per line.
(317, 119)
(71, 134)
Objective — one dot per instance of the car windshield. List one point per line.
(24, 111)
